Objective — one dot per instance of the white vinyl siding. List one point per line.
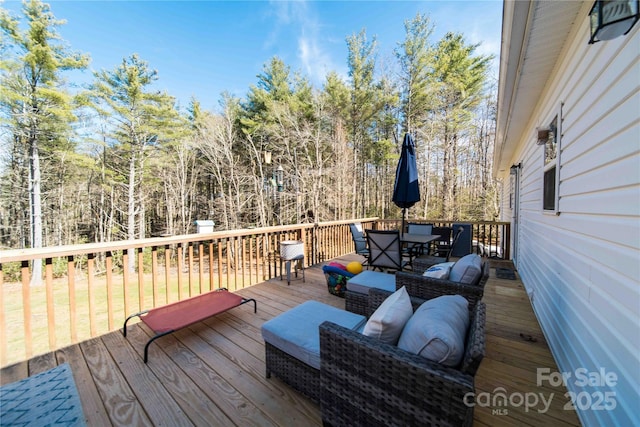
(582, 268)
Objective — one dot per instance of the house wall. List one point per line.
(581, 267)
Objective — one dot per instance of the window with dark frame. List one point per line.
(549, 198)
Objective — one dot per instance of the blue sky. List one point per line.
(202, 48)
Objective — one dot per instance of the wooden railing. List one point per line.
(88, 290)
(489, 238)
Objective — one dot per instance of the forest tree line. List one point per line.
(120, 160)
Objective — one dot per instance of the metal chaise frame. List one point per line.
(188, 311)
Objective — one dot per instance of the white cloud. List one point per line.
(298, 20)
(316, 62)
(479, 22)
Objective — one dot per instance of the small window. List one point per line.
(550, 184)
(549, 200)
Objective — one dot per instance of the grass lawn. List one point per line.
(101, 322)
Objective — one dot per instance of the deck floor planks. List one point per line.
(14, 372)
(175, 360)
(92, 404)
(120, 401)
(484, 417)
(212, 373)
(512, 362)
(521, 357)
(144, 383)
(253, 364)
(251, 388)
(42, 363)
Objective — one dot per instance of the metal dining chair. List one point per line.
(422, 263)
(442, 245)
(359, 241)
(385, 250)
(415, 249)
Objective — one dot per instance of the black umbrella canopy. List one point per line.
(406, 191)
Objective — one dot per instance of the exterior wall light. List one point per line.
(543, 136)
(280, 178)
(612, 18)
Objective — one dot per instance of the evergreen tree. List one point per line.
(415, 57)
(416, 61)
(363, 107)
(140, 121)
(458, 78)
(32, 94)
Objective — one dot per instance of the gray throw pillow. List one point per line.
(437, 330)
(387, 322)
(466, 270)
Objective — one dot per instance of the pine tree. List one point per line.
(140, 121)
(458, 78)
(33, 95)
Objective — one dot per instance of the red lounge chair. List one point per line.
(172, 317)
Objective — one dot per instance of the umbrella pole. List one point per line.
(404, 215)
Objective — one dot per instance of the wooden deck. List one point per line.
(213, 372)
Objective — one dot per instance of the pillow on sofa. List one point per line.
(387, 322)
(437, 330)
(439, 271)
(467, 269)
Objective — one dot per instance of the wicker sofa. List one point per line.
(368, 383)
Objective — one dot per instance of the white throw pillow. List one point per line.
(387, 322)
(439, 271)
(438, 329)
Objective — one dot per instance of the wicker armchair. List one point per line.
(368, 383)
(429, 287)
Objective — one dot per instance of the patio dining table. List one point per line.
(418, 239)
(421, 239)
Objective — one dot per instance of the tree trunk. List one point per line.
(131, 210)
(36, 208)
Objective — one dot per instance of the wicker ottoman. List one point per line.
(292, 343)
(357, 295)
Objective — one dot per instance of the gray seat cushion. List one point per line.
(296, 331)
(366, 280)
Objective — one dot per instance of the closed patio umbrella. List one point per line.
(406, 191)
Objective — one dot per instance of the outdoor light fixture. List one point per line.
(543, 136)
(280, 178)
(612, 18)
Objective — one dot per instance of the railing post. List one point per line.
(26, 307)
(167, 272)
(91, 293)
(109, 276)
(141, 278)
(51, 319)
(507, 241)
(190, 264)
(3, 323)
